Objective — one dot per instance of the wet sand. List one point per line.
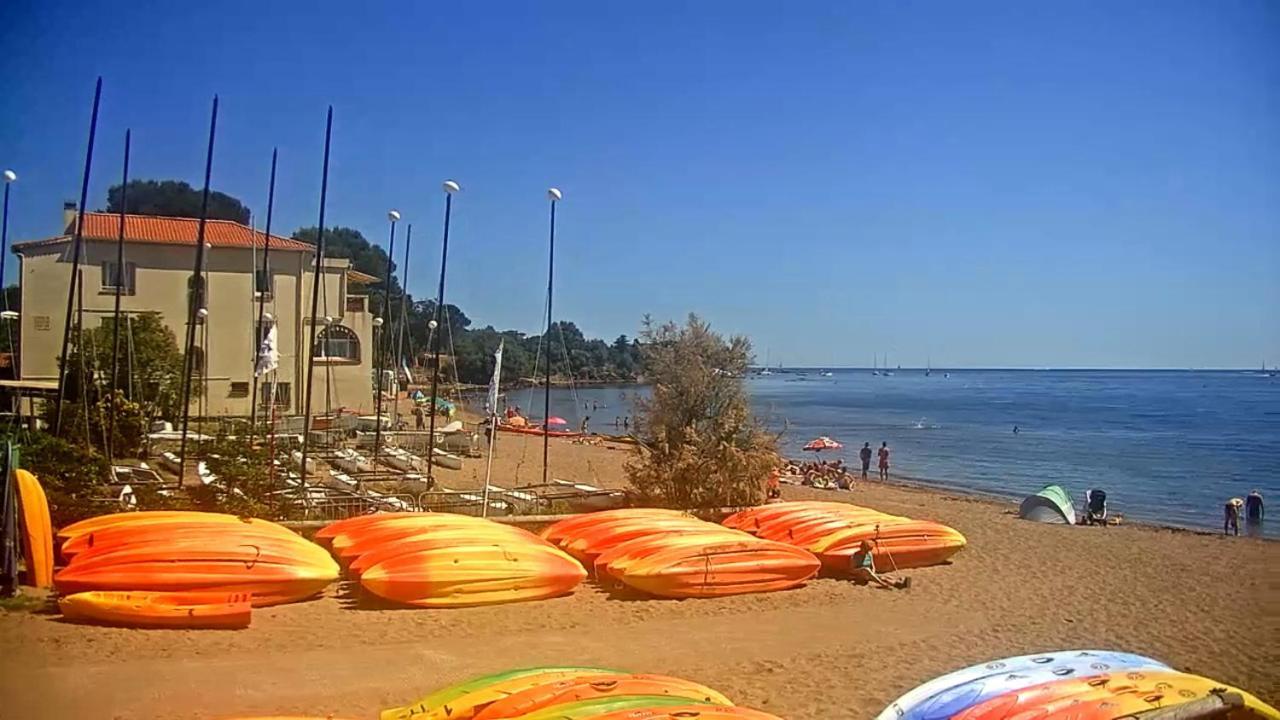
(1202, 603)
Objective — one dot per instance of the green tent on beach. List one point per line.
(1050, 505)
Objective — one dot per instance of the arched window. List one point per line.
(336, 342)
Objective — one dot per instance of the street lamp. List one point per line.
(379, 352)
(450, 187)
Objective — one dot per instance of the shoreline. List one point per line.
(912, 482)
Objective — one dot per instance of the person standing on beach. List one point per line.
(884, 461)
(585, 420)
(1231, 517)
(865, 455)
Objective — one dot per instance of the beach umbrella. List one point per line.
(822, 443)
(554, 420)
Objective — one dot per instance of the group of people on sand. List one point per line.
(834, 474)
(1252, 508)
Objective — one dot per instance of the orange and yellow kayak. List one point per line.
(160, 609)
(716, 568)
(590, 688)
(477, 573)
(37, 530)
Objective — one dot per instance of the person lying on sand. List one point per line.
(863, 569)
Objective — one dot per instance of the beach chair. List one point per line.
(1095, 512)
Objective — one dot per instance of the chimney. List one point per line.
(68, 217)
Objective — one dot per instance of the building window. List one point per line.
(355, 303)
(42, 322)
(239, 390)
(279, 392)
(263, 282)
(111, 278)
(336, 342)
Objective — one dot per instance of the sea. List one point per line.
(1169, 447)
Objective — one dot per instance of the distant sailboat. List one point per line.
(928, 367)
(886, 372)
(874, 368)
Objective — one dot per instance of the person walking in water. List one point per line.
(1253, 510)
(884, 461)
(865, 455)
(1231, 517)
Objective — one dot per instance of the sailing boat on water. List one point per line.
(875, 370)
(928, 367)
(886, 372)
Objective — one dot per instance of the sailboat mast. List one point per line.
(77, 244)
(450, 187)
(260, 334)
(115, 314)
(197, 298)
(316, 279)
(554, 195)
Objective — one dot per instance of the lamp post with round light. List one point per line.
(380, 356)
(10, 177)
(450, 187)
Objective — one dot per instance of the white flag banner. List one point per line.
(268, 353)
(491, 402)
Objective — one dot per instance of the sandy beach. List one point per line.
(1200, 602)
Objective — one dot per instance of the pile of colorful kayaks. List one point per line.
(1075, 685)
(573, 693)
(444, 560)
(184, 569)
(835, 531)
(672, 554)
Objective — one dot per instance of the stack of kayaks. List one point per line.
(671, 554)
(574, 693)
(835, 531)
(184, 569)
(1073, 685)
(445, 560)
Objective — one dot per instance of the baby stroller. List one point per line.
(1095, 504)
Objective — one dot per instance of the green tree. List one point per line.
(700, 444)
(345, 242)
(175, 198)
(150, 368)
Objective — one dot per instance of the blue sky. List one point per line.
(982, 184)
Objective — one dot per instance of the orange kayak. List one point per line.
(720, 567)
(539, 431)
(462, 575)
(614, 560)
(393, 527)
(750, 519)
(897, 544)
(573, 526)
(159, 609)
(437, 538)
(391, 537)
(164, 531)
(689, 712)
(589, 544)
(274, 569)
(591, 688)
(140, 517)
(37, 531)
(325, 534)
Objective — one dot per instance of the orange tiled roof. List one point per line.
(174, 231)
